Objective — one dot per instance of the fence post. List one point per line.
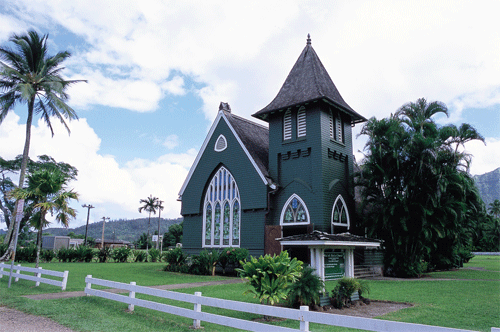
(38, 275)
(65, 280)
(197, 308)
(18, 272)
(89, 283)
(1, 270)
(304, 325)
(131, 295)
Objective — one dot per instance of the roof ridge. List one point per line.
(246, 120)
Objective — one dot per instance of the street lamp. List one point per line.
(102, 238)
(88, 206)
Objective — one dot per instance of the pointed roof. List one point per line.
(308, 81)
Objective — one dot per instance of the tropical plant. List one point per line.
(155, 255)
(306, 290)
(48, 190)
(104, 254)
(47, 255)
(140, 256)
(345, 288)
(150, 205)
(270, 276)
(173, 236)
(143, 242)
(175, 258)
(121, 254)
(28, 75)
(416, 192)
(494, 208)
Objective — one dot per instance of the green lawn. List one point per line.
(467, 304)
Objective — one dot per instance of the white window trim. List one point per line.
(344, 205)
(283, 210)
(223, 138)
(301, 123)
(287, 125)
(222, 201)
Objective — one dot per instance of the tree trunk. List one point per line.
(9, 237)
(38, 246)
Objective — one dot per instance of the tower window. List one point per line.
(287, 125)
(340, 215)
(294, 212)
(301, 123)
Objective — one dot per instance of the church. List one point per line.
(282, 186)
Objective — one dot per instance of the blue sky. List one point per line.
(158, 70)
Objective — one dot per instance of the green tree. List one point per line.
(494, 208)
(28, 75)
(150, 205)
(173, 236)
(416, 189)
(48, 190)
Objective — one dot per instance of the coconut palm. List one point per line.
(28, 75)
(47, 189)
(494, 208)
(150, 205)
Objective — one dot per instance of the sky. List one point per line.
(156, 72)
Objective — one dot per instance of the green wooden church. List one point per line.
(251, 184)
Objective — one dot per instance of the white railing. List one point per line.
(37, 277)
(303, 315)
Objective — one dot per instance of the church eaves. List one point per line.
(308, 81)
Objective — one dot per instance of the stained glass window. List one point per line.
(340, 215)
(222, 212)
(294, 212)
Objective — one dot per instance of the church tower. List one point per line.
(310, 151)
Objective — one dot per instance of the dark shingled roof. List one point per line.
(322, 236)
(255, 137)
(308, 81)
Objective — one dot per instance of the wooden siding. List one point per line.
(253, 193)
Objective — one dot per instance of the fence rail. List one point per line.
(37, 277)
(303, 315)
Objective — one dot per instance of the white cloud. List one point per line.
(485, 158)
(114, 190)
(171, 141)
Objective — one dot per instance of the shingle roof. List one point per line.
(322, 236)
(255, 137)
(307, 81)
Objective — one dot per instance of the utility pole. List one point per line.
(88, 206)
(160, 207)
(102, 239)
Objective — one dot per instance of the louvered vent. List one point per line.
(221, 144)
(287, 125)
(301, 123)
(340, 131)
(332, 131)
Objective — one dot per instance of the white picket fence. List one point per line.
(37, 277)
(303, 315)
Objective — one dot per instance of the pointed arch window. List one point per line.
(294, 212)
(340, 214)
(222, 211)
(301, 123)
(287, 125)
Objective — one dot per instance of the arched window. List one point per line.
(340, 215)
(294, 212)
(287, 125)
(301, 123)
(221, 211)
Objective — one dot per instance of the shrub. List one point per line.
(120, 254)
(232, 256)
(270, 276)
(209, 260)
(104, 254)
(196, 266)
(174, 258)
(154, 254)
(341, 294)
(26, 254)
(3, 248)
(305, 291)
(140, 255)
(83, 254)
(64, 255)
(47, 255)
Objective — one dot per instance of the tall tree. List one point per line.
(47, 189)
(28, 75)
(415, 195)
(494, 208)
(150, 205)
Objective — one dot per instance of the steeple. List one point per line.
(307, 81)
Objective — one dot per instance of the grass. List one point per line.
(467, 304)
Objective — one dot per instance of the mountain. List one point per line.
(127, 230)
(488, 185)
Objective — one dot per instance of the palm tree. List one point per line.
(48, 191)
(495, 208)
(28, 75)
(150, 204)
(160, 208)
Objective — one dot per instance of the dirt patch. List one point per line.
(12, 320)
(374, 309)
